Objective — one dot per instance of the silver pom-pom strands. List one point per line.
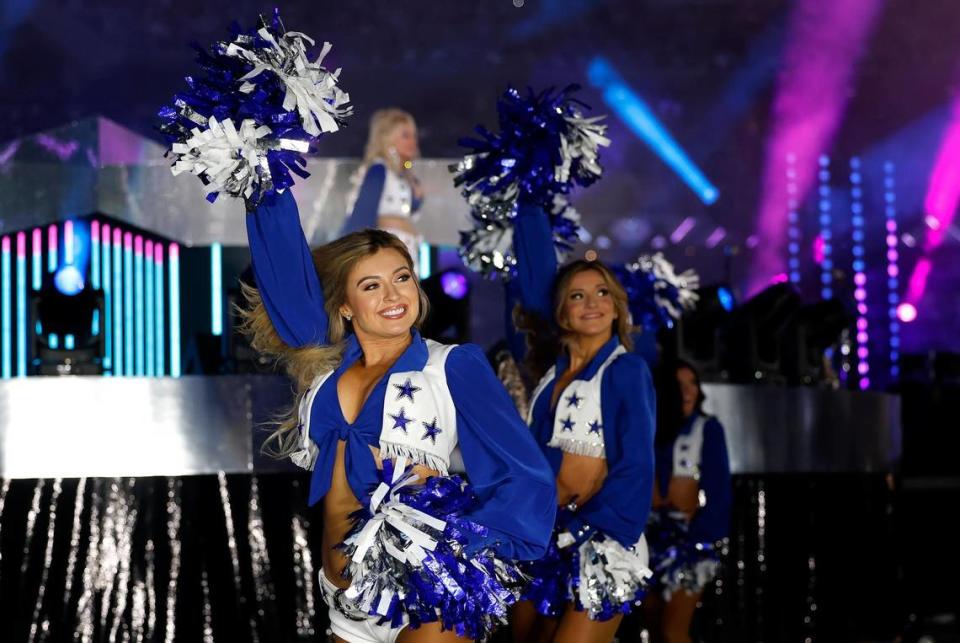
(230, 160)
(244, 125)
(674, 292)
(310, 89)
(544, 148)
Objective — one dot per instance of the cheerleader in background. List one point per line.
(691, 504)
(593, 416)
(389, 194)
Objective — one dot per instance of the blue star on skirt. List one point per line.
(431, 431)
(595, 426)
(567, 424)
(407, 389)
(574, 400)
(400, 421)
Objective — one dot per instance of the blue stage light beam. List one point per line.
(159, 320)
(216, 289)
(638, 116)
(424, 255)
(117, 301)
(725, 295)
(138, 307)
(95, 254)
(107, 302)
(129, 367)
(174, 254)
(5, 322)
(21, 304)
(148, 282)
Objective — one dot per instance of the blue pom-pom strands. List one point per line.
(409, 562)
(245, 123)
(599, 575)
(679, 562)
(487, 248)
(657, 295)
(544, 148)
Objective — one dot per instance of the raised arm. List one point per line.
(506, 468)
(536, 260)
(285, 273)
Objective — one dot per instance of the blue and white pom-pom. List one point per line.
(245, 123)
(544, 148)
(487, 248)
(409, 562)
(679, 562)
(657, 295)
(607, 578)
(598, 574)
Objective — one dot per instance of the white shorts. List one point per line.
(354, 628)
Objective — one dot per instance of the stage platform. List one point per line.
(128, 426)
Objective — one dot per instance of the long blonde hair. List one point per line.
(382, 125)
(333, 263)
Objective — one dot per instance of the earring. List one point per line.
(348, 317)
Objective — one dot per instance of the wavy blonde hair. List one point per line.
(382, 125)
(333, 263)
(622, 325)
(544, 341)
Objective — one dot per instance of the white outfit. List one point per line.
(578, 420)
(415, 398)
(396, 200)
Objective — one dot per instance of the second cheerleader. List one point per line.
(593, 415)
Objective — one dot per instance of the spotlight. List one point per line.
(68, 328)
(454, 284)
(906, 313)
(725, 297)
(449, 318)
(68, 280)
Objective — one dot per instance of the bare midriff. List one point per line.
(580, 478)
(396, 222)
(683, 495)
(338, 505)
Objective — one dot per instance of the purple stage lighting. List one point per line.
(906, 312)
(454, 284)
(824, 41)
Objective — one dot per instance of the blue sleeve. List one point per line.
(712, 521)
(621, 507)
(517, 493)
(536, 259)
(284, 270)
(365, 209)
(645, 345)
